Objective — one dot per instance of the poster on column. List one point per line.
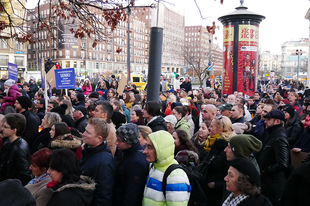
(228, 59)
(247, 59)
(12, 71)
(65, 78)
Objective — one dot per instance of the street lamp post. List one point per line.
(128, 44)
(298, 53)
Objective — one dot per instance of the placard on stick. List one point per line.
(50, 77)
(122, 85)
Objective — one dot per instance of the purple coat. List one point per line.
(13, 94)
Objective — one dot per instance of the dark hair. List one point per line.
(127, 97)
(60, 98)
(106, 107)
(140, 115)
(66, 162)
(244, 185)
(92, 106)
(16, 121)
(54, 103)
(40, 94)
(242, 101)
(42, 101)
(257, 92)
(134, 86)
(152, 108)
(185, 139)
(61, 128)
(180, 110)
(40, 158)
(26, 84)
(137, 98)
(251, 97)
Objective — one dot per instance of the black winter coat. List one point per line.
(98, 164)
(303, 141)
(157, 124)
(297, 189)
(41, 113)
(294, 129)
(274, 162)
(80, 124)
(73, 194)
(186, 86)
(32, 127)
(130, 175)
(17, 164)
(257, 200)
(42, 140)
(214, 168)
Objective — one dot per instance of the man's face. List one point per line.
(121, 145)
(266, 110)
(72, 95)
(236, 93)
(38, 105)
(150, 151)
(49, 107)
(1, 127)
(250, 101)
(256, 96)
(235, 112)
(90, 136)
(238, 101)
(186, 79)
(76, 114)
(269, 122)
(229, 153)
(17, 106)
(26, 88)
(207, 114)
(7, 130)
(231, 99)
(99, 113)
(226, 113)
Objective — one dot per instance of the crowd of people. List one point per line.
(95, 146)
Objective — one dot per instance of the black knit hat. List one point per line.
(244, 145)
(61, 110)
(118, 119)
(129, 133)
(290, 110)
(94, 95)
(24, 101)
(246, 167)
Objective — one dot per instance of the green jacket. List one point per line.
(183, 124)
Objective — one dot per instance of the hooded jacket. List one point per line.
(13, 94)
(182, 124)
(79, 193)
(178, 186)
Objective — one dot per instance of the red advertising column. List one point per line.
(247, 59)
(228, 48)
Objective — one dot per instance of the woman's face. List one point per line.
(231, 180)
(55, 175)
(132, 95)
(287, 115)
(176, 114)
(176, 139)
(142, 140)
(124, 96)
(44, 122)
(214, 129)
(37, 171)
(111, 94)
(259, 109)
(195, 99)
(203, 131)
(142, 96)
(133, 116)
(52, 132)
(114, 106)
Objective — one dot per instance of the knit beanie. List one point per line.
(118, 119)
(61, 110)
(24, 101)
(244, 145)
(9, 82)
(285, 101)
(290, 110)
(129, 133)
(246, 167)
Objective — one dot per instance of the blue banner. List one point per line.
(41, 62)
(65, 78)
(13, 71)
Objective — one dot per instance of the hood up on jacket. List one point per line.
(164, 145)
(66, 141)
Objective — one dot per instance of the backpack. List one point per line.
(198, 196)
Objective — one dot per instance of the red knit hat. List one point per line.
(285, 101)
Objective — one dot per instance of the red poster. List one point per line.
(247, 59)
(228, 50)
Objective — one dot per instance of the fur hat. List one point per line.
(24, 101)
(9, 82)
(246, 167)
(244, 145)
(129, 133)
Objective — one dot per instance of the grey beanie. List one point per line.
(129, 133)
(9, 82)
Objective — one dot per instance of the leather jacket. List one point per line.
(275, 156)
(18, 162)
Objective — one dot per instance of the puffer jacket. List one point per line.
(178, 186)
(79, 193)
(157, 123)
(294, 129)
(13, 94)
(182, 124)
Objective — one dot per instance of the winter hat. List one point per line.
(285, 101)
(118, 119)
(61, 110)
(171, 119)
(82, 109)
(290, 110)
(9, 82)
(24, 101)
(94, 95)
(244, 145)
(80, 97)
(129, 133)
(173, 105)
(246, 167)
(100, 93)
(13, 193)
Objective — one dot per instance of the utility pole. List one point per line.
(128, 44)
(298, 53)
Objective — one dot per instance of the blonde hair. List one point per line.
(227, 128)
(145, 131)
(69, 110)
(173, 98)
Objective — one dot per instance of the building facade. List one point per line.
(269, 62)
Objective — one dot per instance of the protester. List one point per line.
(182, 123)
(151, 113)
(144, 131)
(87, 88)
(293, 125)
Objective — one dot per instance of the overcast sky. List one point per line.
(285, 19)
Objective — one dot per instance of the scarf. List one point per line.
(37, 179)
(233, 201)
(210, 142)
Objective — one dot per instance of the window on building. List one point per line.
(67, 64)
(60, 53)
(4, 59)
(67, 54)
(74, 53)
(74, 64)
(19, 60)
(82, 54)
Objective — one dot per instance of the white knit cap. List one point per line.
(9, 82)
